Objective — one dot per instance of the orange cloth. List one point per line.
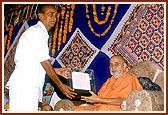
(114, 88)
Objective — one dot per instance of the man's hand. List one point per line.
(95, 99)
(68, 91)
(91, 99)
(53, 76)
(64, 72)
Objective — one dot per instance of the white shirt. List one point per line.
(31, 50)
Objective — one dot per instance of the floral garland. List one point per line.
(55, 35)
(7, 38)
(60, 36)
(100, 22)
(96, 18)
(71, 17)
(63, 10)
(102, 9)
(64, 23)
(16, 15)
(65, 27)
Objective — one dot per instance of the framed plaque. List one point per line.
(82, 82)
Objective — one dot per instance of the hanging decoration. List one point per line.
(71, 17)
(5, 39)
(65, 27)
(16, 21)
(34, 9)
(96, 18)
(102, 9)
(63, 10)
(102, 21)
(20, 13)
(15, 15)
(64, 23)
(60, 35)
(55, 35)
(8, 36)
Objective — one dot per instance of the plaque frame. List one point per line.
(84, 92)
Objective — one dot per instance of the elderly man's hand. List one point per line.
(64, 72)
(91, 99)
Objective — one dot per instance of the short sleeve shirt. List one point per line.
(31, 50)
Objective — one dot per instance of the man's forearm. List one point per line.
(51, 73)
(111, 101)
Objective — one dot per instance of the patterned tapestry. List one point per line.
(142, 36)
(78, 53)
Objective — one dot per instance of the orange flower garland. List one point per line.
(55, 35)
(5, 40)
(71, 17)
(96, 18)
(100, 22)
(10, 36)
(63, 25)
(60, 36)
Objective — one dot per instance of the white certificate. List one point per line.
(81, 80)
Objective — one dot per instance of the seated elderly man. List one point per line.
(114, 90)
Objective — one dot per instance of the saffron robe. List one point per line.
(114, 88)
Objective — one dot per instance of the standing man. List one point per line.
(32, 63)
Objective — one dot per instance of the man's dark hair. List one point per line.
(40, 8)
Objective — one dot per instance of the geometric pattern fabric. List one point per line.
(78, 53)
(142, 36)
